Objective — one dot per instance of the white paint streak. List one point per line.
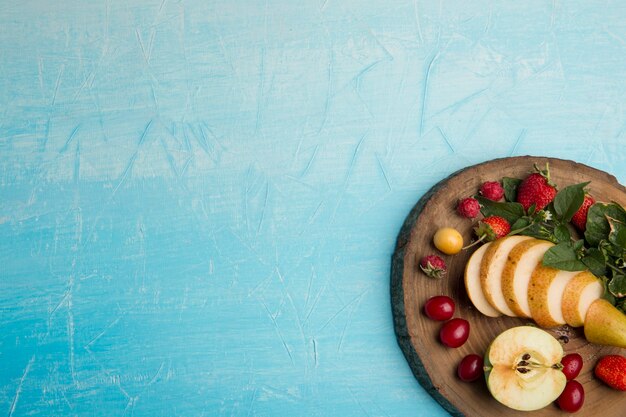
(21, 384)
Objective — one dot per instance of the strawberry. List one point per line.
(468, 207)
(492, 228)
(580, 217)
(492, 190)
(536, 189)
(612, 370)
(433, 266)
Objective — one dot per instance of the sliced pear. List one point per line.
(491, 268)
(521, 263)
(578, 295)
(605, 324)
(522, 368)
(545, 294)
(472, 283)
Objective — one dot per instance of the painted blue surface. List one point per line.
(199, 199)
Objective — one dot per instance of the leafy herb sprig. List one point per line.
(602, 248)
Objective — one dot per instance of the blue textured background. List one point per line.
(199, 199)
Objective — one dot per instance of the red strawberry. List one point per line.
(492, 228)
(492, 190)
(468, 207)
(536, 189)
(433, 266)
(580, 217)
(612, 370)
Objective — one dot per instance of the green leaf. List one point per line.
(617, 285)
(568, 200)
(596, 262)
(519, 226)
(598, 227)
(617, 235)
(510, 188)
(511, 212)
(578, 245)
(562, 234)
(563, 256)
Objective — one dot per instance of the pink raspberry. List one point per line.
(492, 190)
(468, 207)
(433, 266)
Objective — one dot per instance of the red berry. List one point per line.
(492, 190)
(536, 189)
(433, 266)
(454, 333)
(468, 207)
(470, 368)
(439, 307)
(572, 397)
(572, 364)
(611, 369)
(492, 228)
(579, 219)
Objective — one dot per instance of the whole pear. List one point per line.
(605, 324)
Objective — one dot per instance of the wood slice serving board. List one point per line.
(433, 364)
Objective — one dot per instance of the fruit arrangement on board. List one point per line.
(556, 256)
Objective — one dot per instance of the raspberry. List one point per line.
(468, 207)
(492, 190)
(433, 266)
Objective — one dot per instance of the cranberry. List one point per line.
(572, 397)
(572, 364)
(470, 368)
(454, 333)
(439, 307)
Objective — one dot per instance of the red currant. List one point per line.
(572, 397)
(454, 332)
(439, 307)
(572, 364)
(470, 368)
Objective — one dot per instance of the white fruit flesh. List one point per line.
(519, 267)
(545, 295)
(528, 385)
(578, 295)
(491, 268)
(472, 283)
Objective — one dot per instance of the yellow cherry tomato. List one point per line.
(448, 240)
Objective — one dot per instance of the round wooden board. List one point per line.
(433, 364)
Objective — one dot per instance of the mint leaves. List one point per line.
(568, 201)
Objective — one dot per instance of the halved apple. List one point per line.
(578, 295)
(491, 268)
(523, 368)
(545, 295)
(522, 261)
(472, 283)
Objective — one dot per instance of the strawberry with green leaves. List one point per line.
(536, 189)
(492, 228)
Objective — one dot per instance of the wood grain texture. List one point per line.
(434, 365)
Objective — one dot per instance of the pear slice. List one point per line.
(523, 368)
(605, 324)
(491, 268)
(472, 283)
(545, 295)
(517, 271)
(578, 295)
